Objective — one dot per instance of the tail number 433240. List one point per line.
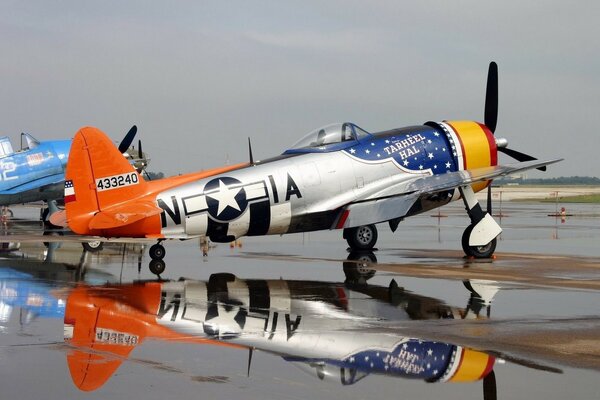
(117, 181)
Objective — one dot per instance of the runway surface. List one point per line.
(413, 319)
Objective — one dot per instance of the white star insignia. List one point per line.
(443, 149)
(225, 197)
(387, 141)
(429, 141)
(435, 371)
(448, 164)
(352, 151)
(435, 166)
(429, 352)
(405, 163)
(430, 155)
(420, 167)
(367, 151)
(372, 144)
(378, 155)
(405, 346)
(436, 134)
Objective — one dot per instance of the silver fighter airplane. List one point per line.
(336, 177)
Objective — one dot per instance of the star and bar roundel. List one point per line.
(225, 198)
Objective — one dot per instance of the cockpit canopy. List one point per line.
(6, 148)
(320, 139)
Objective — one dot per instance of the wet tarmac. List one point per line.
(299, 316)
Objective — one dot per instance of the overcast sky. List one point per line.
(198, 78)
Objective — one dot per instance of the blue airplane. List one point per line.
(37, 171)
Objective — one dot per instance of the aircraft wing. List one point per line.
(384, 204)
(47, 188)
(37, 184)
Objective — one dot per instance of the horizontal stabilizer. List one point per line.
(123, 214)
(59, 218)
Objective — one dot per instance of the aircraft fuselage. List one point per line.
(305, 190)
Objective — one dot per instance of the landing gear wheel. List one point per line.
(93, 246)
(362, 237)
(157, 267)
(358, 267)
(157, 251)
(485, 251)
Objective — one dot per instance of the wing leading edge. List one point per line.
(395, 201)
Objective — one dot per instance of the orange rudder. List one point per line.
(97, 177)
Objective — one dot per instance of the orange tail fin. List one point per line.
(97, 177)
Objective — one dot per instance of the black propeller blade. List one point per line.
(489, 386)
(491, 114)
(517, 155)
(128, 139)
(491, 98)
(140, 152)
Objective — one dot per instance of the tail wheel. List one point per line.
(157, 267)
(485, 251)
(157, 252)
(362, 237)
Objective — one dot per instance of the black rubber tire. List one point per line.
(357, 268)
(157, 251)
(157, 267)
(362, 237)
(477, 251)
(94, 246)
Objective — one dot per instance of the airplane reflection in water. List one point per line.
(58, 255)
(327, 329)
(35, 278)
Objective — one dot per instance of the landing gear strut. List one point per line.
(361, 237)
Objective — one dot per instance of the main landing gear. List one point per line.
(361, 237)
(479, 239)
(485, 251)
